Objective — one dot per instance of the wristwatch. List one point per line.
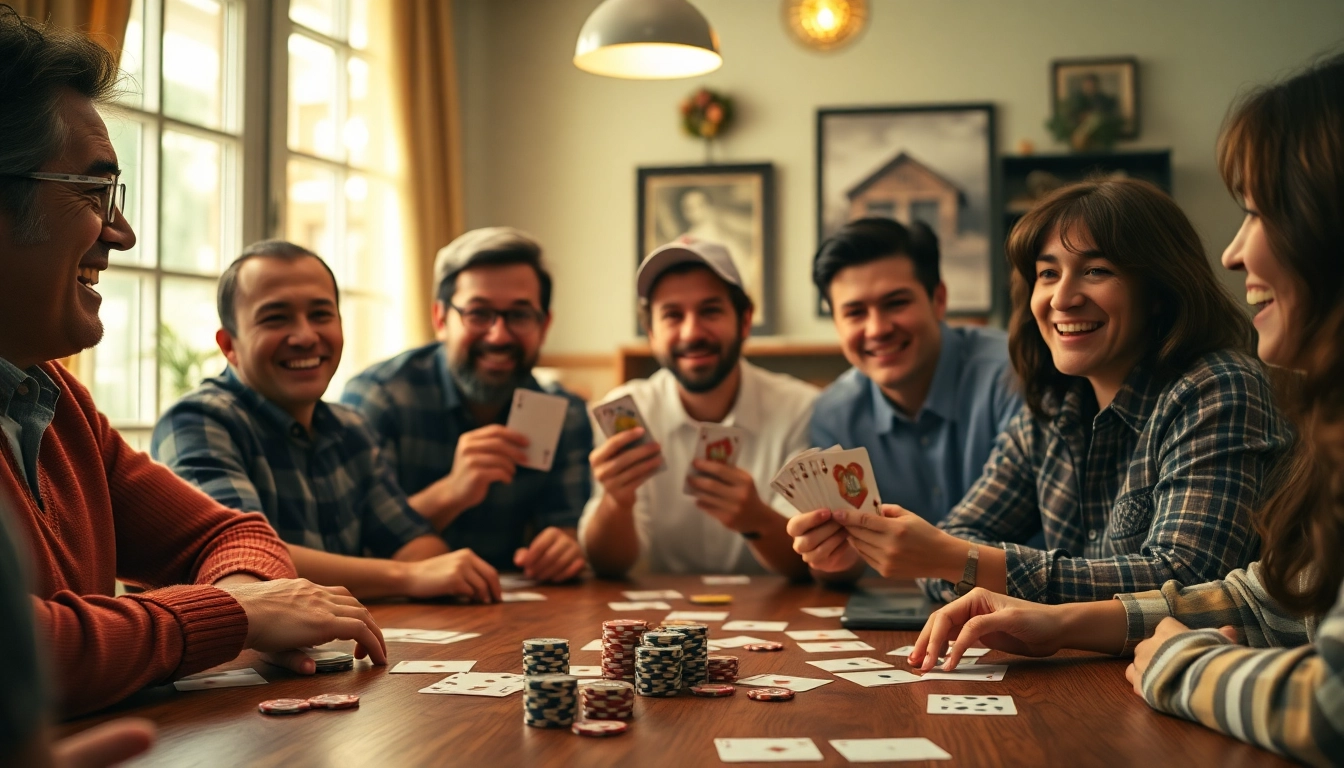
(967, 582)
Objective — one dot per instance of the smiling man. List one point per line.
(260, 438)
(697, 316)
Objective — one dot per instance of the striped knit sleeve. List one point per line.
(1286, 699)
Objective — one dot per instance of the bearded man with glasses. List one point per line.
(440, 412)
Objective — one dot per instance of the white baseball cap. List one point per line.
(685, 250)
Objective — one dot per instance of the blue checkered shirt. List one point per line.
(415, 407)
(1159, 486)
(329, 490)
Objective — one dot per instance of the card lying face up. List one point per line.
(540, 417)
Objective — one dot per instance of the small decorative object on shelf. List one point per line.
(705, 115)
(1095, 101)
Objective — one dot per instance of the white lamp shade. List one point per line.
(647, 40)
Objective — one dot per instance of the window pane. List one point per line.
(317, 15)
(187, 350)
(192, 206)
(359, 23)
(193, 72)
(373, 236)
(128, 140)
(312, 97)
(133, 57)
(372, 332)
(123, 377)
(311, 215)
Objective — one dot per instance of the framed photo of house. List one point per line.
(934, 164)
(1099, 90)
(729, 204)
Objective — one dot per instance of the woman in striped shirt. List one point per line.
(1260, 654)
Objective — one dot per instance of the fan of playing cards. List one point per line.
(836, 478)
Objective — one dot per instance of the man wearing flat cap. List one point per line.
(698, 516)
(440, 411)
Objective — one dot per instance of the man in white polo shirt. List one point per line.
(697, 316)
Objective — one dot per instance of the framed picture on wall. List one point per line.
(934, 164)
(1098, 90)
(729, 204)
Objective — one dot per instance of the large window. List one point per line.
(198, 139)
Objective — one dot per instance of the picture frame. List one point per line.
(730, 204)
(936, 163)
(1103, 84)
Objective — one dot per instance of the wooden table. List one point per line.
(1075, 709)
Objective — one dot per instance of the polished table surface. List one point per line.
(1074, 709)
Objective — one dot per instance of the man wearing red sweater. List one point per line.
(92, 509)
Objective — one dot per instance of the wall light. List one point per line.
(647, 40)
(825, 24)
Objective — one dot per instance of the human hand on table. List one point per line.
(1144, 651)
(287, 614)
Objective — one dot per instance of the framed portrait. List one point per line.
(729, 204)
(1104, 88)
(934, 164)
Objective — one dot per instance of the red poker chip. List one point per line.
(769, 646)
(335, 701)
(713, 690)
(600, 728)
(770, 694)
(284, 706)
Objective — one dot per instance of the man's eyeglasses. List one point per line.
(518, 320)
(112, 197)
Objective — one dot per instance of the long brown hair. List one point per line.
(1283, 146)
(1138, 228)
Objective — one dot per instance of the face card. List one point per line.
(971, 653)
(991, 673)
(849, 481)
(521, 597)
(653, 594)
(850, 665)
(888, 750)
(843, 645)
(714, 443)
(767, 750)
(640, 605)
(586, 671)
(826, 612)
(722, 580)
(233, 678)
(619, 415)
(540, 417)
(945, 704)
(431, 667)
(696, 616)
(791, 682)
(879, 677)
(755, 626)
(822, 634)
(734, 642)
(478, 684)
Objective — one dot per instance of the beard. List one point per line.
(491, 389)
(704, 382)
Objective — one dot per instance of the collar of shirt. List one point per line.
(745, 413)
(18, 383)
(326, 427)
(1133, 403)
(942, 398)
(452, 397)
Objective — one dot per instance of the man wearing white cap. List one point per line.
(697, 316)
(440, 411)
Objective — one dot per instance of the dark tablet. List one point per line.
(886, 609)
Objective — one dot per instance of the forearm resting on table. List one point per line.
(610, 539)
(1099, 627)
(367, 578)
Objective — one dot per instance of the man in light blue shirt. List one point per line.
(926, 400)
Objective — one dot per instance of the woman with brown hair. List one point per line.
(1260, 654)
(1147, 430)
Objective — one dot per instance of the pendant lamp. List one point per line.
(647, 40)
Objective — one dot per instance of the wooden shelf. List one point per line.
(816, 362)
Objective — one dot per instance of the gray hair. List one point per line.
(38, 63)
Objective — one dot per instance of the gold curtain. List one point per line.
(425, 77)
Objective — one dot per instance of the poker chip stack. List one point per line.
(607, 700)
(545, 656)
(332, 661)
(722, 669)
(658, 664)
(695, 653)
(550, 701)
(620, 637)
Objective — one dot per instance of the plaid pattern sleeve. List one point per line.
(1161, 486)
(1284, 693)
(198, 448)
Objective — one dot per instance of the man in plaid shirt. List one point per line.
(259, 438)
(440, 412)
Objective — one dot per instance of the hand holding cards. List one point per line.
(619, 415)
(717, 443)
(835, 478)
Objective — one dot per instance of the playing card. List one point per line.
(849, 481)
(826, 612)
(696, 616)
(586, 671)
(653, 594)
(945, 704)
(978, 672)
(640, 605)
(715, 443)
(734, 642)
(430, 667)
(767, 750)
(843, 645)
(849, 665)
(726, 579)
(972, 653)
(478, 684)
(521, 597)
(822, 634)
(755, 626)
(398, 634)
(879, 677)
(888, 750)
(540, 417)
(232, 678)
(784, 681)
(621, 414)
(515, 581)
(593, 645)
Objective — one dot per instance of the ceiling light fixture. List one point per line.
(825, 24)
(647, 40)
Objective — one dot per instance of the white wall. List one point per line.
(553, 150)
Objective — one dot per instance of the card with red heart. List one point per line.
(850, 483)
